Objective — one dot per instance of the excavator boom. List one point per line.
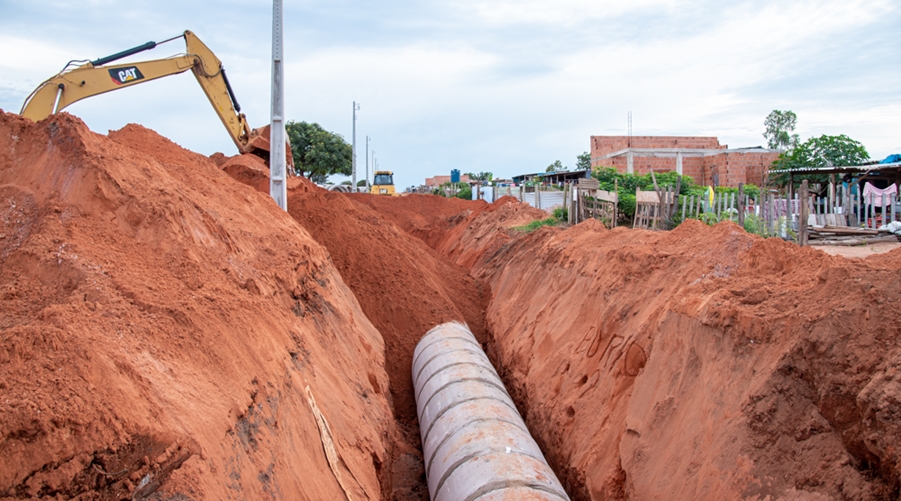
(96, 77)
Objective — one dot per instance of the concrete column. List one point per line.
(679, 162)
(630, 169)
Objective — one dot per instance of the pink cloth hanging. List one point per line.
(873, 195)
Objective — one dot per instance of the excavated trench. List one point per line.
(167, 332)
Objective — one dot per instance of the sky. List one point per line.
(500, 86)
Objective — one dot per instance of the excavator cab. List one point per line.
(383, 183)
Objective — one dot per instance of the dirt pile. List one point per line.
(418, 214)
(252, 170)
(163, 328)
(462, 230)
(702, 363)
(404, 287)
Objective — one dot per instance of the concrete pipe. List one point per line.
(475, 444)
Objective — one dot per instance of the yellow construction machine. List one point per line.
(93, 77)
(383, 183)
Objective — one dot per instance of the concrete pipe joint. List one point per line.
(475, 444)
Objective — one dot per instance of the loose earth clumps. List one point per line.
(168, 333)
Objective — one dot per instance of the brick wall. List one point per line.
(602, 145)
(721, 169)
(434, 182)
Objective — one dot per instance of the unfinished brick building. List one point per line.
(704, 159)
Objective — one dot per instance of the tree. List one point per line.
(555, 167)
(823, 151)
(583, 161)
(481, 176)
(317, 152)
(779, 127)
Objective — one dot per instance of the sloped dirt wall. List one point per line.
(702, 363)
(160, 325)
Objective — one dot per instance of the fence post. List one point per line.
(893, 208)
(802, 216)
(741, 204)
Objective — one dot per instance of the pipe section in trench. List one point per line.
(475, 444)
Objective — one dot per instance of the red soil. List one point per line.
(702, 363)
(159, 325)
(404, 287)
(160, 322)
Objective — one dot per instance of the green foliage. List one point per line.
(538, 223)
(626, 184)
(755, 225)
(823, 151)
(583, 161)
(561, 213)
(779, 127)
(465, 192)
(361, 182)
(610, 179)
(626, 204)
(557, 166)
(751, 190)
(317, 152)
(481, 176)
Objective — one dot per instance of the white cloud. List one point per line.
(493, 85)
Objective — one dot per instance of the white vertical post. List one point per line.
(629, 166)
(367, 165)
(278, 189)
(679, 163)
(354, 151)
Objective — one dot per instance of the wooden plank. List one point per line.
(589, 183)
(741, 204)
(854, 241)
(607, 196)
(646, 197)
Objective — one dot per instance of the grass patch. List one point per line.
(534, 225)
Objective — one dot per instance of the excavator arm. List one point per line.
(96, 77)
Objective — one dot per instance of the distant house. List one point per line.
(434, 182)
(704, 159)
(553, 177)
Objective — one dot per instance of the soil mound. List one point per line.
(415, 214)
(469, 237)
(251, 170)
(461, 230)
(701, 363)
(165, 329)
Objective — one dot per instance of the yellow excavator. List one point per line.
(93, 77)
(383, 183)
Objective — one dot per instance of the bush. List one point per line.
(464, 193)
(561, 213)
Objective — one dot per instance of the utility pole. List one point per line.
(367, 164)
(354, 161)
(278, 189)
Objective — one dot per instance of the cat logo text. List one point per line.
(125, 75)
